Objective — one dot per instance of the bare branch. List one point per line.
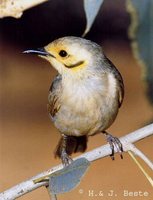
(100, 152)
(15, 8)
(141, 155)
(141, 167)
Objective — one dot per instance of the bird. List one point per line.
(85, 95)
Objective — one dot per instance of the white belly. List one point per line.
(86, 109)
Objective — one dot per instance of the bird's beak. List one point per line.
(39, 51)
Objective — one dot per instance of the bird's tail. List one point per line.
(72, 145)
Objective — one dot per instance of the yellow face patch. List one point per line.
(55, 50)
(80, 65)
(69, 61)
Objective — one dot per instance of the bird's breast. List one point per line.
(84, 105)
(81, 96)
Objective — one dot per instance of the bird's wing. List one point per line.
(120, 86)
(121, 91)
(54, 96)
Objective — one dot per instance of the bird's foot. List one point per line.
(114, 142)
(66, 159)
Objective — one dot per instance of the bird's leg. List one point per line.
(66, 160)
(114, 142)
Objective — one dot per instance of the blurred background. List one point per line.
(27, 137)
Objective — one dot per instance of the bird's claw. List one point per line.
(66, 159)
(114, 142)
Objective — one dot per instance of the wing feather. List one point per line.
(120, 87)
(54, 96)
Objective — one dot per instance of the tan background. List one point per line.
(28, 138)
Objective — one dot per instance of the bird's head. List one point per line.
(70, 54)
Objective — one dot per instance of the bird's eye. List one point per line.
(63, 53)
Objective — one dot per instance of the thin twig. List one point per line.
(141, 155)
(52, 196)
(141, 168)
(100, 152)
